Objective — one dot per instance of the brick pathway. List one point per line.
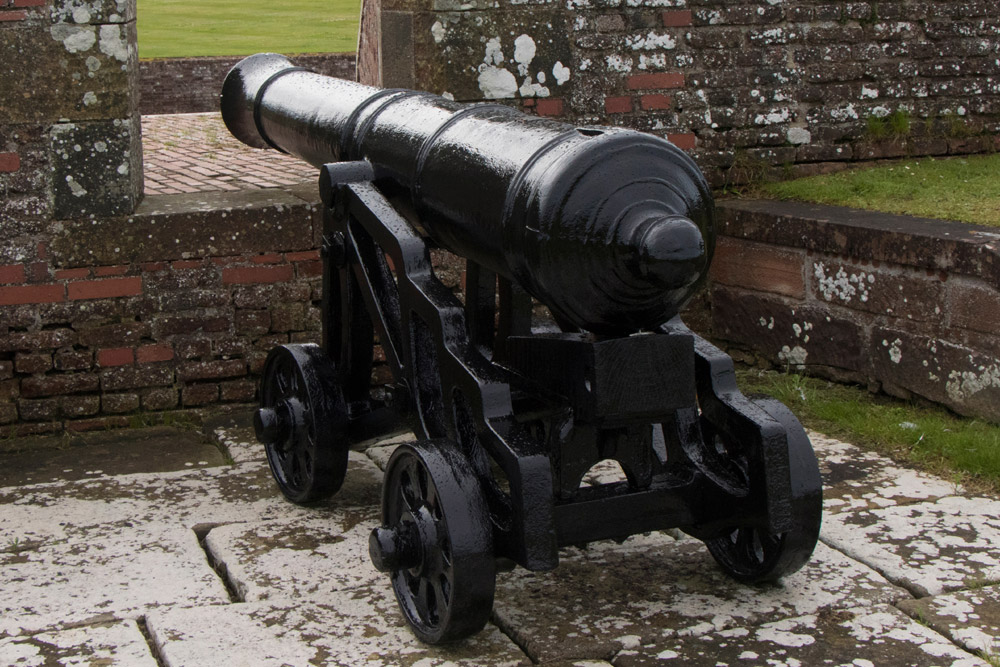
(196, 153)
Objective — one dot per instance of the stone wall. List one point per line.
(907, 305)
(747, 86)
(192, 85)
(174, 306)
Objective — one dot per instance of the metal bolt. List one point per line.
(393, 549)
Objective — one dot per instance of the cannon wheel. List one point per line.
(436, 541)
(302, 422)
(751, 554)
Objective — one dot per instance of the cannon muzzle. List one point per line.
(612, 229)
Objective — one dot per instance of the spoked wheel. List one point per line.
(302, 422)
(436, 541)
(752, 554)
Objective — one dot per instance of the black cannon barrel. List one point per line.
(612, 229)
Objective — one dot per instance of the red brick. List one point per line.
(244, 275)
(118, 356)
(154, 266)
(105, 289)
(271, 258)
(758, 267)
(159, 399)
(98, 424)
(212, 370)
(9, 162)
(30, 3)
(654, 81)
(27, 362)
(309, 269)
(302, 256)
(12, 273)
(38, 272)
(55, 385)
(655, 101)
(153, 353)
(238, 390)
(686, 142)
(102, 271)
(71, 274)
(673, 18)
(529, 102)
(13, 16)
(200, 394)
(227, 261)
(622, 104)
(549, 106)
(187, 264)
(12, 296)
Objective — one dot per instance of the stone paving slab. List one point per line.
(119, 644)
(928, 548)
(863, 637)
(970, 618)
(854, 479)
(115, 570)
(358, 627)
(304, 558)
(608, 597)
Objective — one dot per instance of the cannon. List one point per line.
(565, 349)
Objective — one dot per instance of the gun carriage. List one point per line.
(608, 231)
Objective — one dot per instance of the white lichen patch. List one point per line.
(617, 63)
(651, 41)
(842, 286)
(74, 38)
(113, 42)
(969, 618)
(928, 547)
(793, 357)
(494, 81)
(963, 385)
(438, 32)
(524, 53)
(774, 117)
(359, 627)
(798, 136)
(108, 645)
(560, 72)
(74, 187)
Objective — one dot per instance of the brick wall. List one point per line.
(177, 312)
(749, 87)
(192, 85)
(906, 305)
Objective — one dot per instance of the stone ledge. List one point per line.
(185, 226)
(934, 245)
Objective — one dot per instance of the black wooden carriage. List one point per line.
(581, 245)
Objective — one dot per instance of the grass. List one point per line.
(963, 450)
(964, 189)
(181, 28)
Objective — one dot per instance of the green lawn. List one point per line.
(966, 189)
(178, 28)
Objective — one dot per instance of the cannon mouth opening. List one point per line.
(242, 91)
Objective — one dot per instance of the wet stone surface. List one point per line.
(358, 627)
(610, 597)
(850, 638)
(117, 644)
(854, 479)
(929, 548)
(969, 618)
(222, 570)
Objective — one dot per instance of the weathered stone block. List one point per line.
(789, 334)
(493, 55)
(963, 379)
(93, 11)
(760, 267)
(974, 306)
(896, 292)
(184, 228)
(97, 169)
